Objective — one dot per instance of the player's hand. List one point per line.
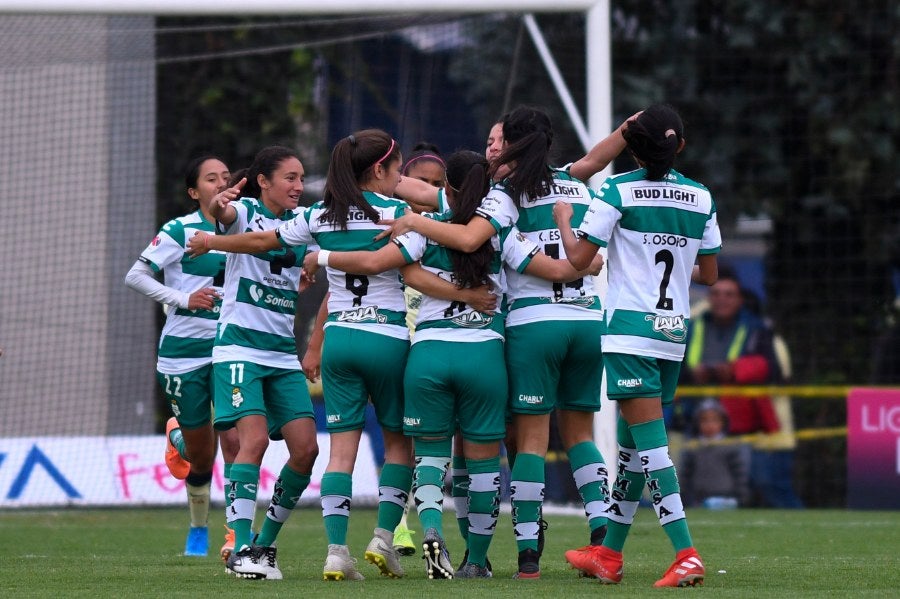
(311, 264)
(198, 244)
(562, 213)
(312, 364)
(481, 298)
(397, 226)
(306, 280)
(203, 299)
(596, 265)
(221, 200)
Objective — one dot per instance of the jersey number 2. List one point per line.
(666, 257)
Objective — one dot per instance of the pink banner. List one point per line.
(873, 449)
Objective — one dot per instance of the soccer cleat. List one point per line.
(228, 547)
(178, 466)
(686, 571)
(197, 543)
(598, 562)
(437, 559)
(382, 553)
(339, 565)
(487, 562)
(597, 536)
(254, 562)
(470, 570)
(529, 564)
(403, 543)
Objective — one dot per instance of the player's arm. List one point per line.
(220, 208)
(360, 262)
(312, 358)
(465, 238)
(560, 270)
(142, 279)
(480, 298)
(599, 157)
(580, 252)
(252, 242)
(706, 271)
(421, 196)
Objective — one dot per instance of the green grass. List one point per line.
(135, 553)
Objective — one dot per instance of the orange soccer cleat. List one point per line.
(228, 548)
(597, 561)
(178, 466)
(686, 571)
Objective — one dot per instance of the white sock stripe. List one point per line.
(278, 513)
(669, 509)
(622, 512)
(482, 524)
(590, 473)
(429, 497)
(525, 531)
(240, 509)
(484, 482)
(393, 495)
(656, 459)
(336, 505)
(595, 509)
(462, 507)
(521, 490)
(630, 458)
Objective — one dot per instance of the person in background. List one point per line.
(714, 472)
(192, 296)
(731, 344)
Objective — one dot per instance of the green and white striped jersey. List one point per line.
(438, 319)
(257, 320)
(187, 337)
(531, 298)
(369, 302)
(654, 231)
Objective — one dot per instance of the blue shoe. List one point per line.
(197, 543)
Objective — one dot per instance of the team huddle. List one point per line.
(497, 252)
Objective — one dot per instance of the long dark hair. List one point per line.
(265, 163)
(424, 152)
(468, 175)
(352, 161)
(654, 138)
(528, 134)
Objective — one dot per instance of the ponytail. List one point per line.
(654, 138)
(529, 135)
(467, 174)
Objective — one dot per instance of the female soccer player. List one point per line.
(366, 340)
(553, 329)
(439, 393)
(657, 223)
(192, 294)
(260, 389)
(425, 163)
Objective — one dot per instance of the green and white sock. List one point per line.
(337, 493)
(393, 494)
(460, 492)
(432, 461)
(244, 482)
(288, 489)
(590, 474)
(527, 497)
(653, 446)
(484, 506)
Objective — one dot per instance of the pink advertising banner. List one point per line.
(873, 449)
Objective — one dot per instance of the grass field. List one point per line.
(758, 553)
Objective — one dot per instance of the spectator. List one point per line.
(730, 344)
(713, 471)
